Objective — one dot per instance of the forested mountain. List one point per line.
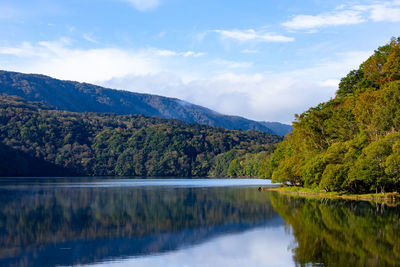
(352, 142)
(37, 140)
(278, 128)
(83, 97)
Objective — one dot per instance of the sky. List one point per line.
(265, 60)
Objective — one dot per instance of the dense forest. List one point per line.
(84, 97)
(38, 140)
(352, 142)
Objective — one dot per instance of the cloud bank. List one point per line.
(346, 17)
(229, 87)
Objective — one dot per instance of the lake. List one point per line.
(187, 222)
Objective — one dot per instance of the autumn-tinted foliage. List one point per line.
(352, 142)
(109, 144)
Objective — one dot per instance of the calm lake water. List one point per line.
(187, 222)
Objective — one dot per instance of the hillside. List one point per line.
(352, 142)
(37, 140)
(83, 97)
(278, 128)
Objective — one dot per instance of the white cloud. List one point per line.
(258, 96)
(388, 11)
(228, 87)
(169, 53)
(228, 64)
(89, 38)
(193, 54)
(252, 35)
(143, 5)
(307, 22)
(249, 51)
(58, 59)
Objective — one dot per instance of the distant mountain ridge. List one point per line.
(84, 97)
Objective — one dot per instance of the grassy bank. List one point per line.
(389, 198)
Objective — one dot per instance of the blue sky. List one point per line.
(265, 60)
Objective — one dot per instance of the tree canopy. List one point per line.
(352, 142)
(37, 140)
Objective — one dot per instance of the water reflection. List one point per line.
(266, 246)
(147, 223)
(45, 224)
(31, 183)
(341, 233)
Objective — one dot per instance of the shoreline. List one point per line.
(387, 198)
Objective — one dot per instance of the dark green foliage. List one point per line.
(250, 165)
(349, 84)
(238, 163)
(82, 97)
(349, 143)
(222, 162)
(108, 144)
(17, 163)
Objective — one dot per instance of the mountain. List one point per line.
(37, 140)
(278, 128)
(83, 97)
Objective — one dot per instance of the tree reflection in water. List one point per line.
(341, 233)
(48, 226)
